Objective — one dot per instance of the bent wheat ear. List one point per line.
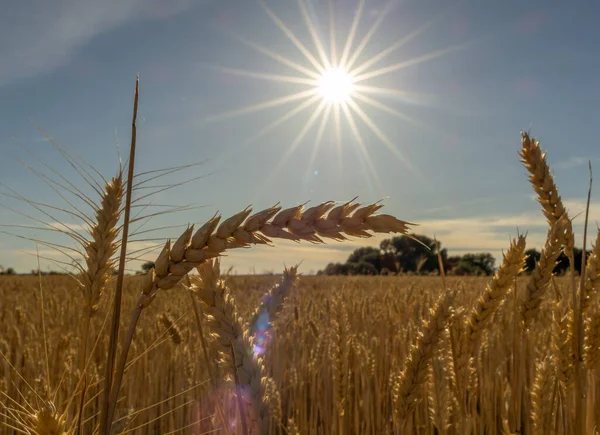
(242, 230)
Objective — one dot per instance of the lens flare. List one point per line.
(335, 85)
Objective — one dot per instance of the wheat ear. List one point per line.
(272, 302)
(592, 270)
(47, 421)
(232, 337)
(543, 183)
(100, 250)
(562, 346)
(541, 397)
(496, 290)
(407, 385)
(171, 328)
(592, 340)
(540, 277)
(324, 220)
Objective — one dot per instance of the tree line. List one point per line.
(402, 255)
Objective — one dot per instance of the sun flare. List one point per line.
(336, 85)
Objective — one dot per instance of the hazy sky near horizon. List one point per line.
(434, 132)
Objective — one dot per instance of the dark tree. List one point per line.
(361, 268)
(367, 255)
(147, 266)
(533, 256)
(334, 269)
(562, 264)
(404, 254)
(481, 263)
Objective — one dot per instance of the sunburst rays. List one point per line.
(338, 84)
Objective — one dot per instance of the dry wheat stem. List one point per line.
(109, 401)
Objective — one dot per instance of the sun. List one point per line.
(339, 90)
(336, 85)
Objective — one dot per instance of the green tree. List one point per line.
(562, 263)
(482, 263)
(533, 256)
(404, 254)
(147, 266)
(367, 255)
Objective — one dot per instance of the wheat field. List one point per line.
(185, 348)
(335, 348)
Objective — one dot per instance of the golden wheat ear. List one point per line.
(234, 342)
(272, 302)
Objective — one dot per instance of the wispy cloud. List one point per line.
(44, 35)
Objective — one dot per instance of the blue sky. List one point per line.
(475, 74)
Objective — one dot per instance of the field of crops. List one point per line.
(339, 357)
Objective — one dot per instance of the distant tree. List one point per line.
(334, 269)
(403, 254)
(361, 268)
(533, 256)
(562, 263)
(147, 266)
(482, 263)
(9, 271)
(367, 255)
